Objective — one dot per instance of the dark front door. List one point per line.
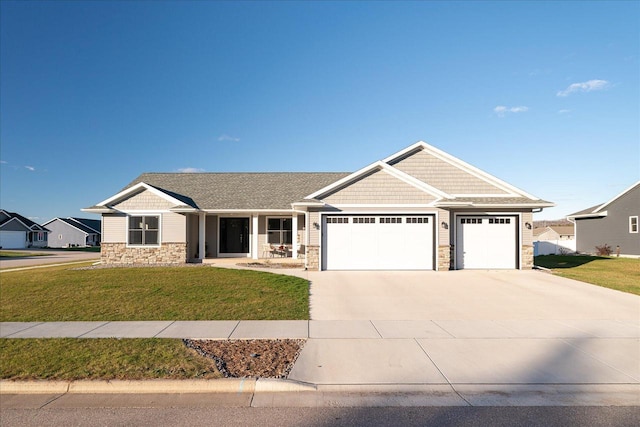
(234, 235)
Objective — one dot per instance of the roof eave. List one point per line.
(98, 209)
(588, 215)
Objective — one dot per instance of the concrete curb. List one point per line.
(226, 385)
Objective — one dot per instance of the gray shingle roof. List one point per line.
(26, 221)
(75, 222)
(249, 191)
(586, 211)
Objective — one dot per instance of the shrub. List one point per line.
(604, 250)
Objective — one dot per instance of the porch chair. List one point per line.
(267, 251)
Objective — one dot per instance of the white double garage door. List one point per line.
(408, 242)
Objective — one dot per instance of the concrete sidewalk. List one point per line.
(584, 361)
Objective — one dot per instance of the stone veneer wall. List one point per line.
(167, 253)
(444, 258)
(313, 257)
(527, 257)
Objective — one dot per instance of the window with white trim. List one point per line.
(144, 230)
(279, 231)
(633, 224)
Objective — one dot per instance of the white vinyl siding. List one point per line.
(174, 228)
(114, 228)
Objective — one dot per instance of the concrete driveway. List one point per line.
(480, 333)
(463, 295)
(52, 257)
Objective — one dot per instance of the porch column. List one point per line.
(255, 251)
(201, 235)
(294, 236)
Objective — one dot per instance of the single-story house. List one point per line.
(19, 232)
(614, 223)
(554, 232)
(418, 209)
(554, 239)
(69, 232)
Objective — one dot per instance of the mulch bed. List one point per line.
(250, 358)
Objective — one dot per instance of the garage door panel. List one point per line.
(378, 243)
(486, 242)
(13, 239)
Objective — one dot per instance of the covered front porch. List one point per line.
(276, 235)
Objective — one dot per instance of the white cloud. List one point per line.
(31, 168)
(501, 110)
(226, 137)
(563, 111)
(587, 86)
(4, 162)
(190, 170)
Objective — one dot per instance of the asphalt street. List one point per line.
(561, 416)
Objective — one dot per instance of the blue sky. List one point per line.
(544, 95)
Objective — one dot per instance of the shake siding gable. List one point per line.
(379, 188)
(144, 200)
(443, 175)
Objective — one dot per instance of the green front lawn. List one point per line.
(622, 274)
(105, 359)
(20, 254)
(153, 293)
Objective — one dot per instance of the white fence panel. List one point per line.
(554, 247)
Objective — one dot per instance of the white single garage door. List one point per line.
(13, 239)
(378, 242)
(487, 242)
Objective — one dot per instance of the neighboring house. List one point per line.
(418, 209)
(69, 232)
(554, 239)
(614, 223)
(18, 232)
(554, 232)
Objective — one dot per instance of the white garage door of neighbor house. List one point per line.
(13, 239)
(378, 242)
(486, 242)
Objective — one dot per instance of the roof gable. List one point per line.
(134, 190)
(26, 222)
(601, 210)
(376, 185)
(368, 170)
(624, 193)
(450, 174)
(78, 225)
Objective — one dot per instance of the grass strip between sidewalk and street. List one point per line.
(151, 293)
(622, 274)
(104, 358)
(21, 254)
